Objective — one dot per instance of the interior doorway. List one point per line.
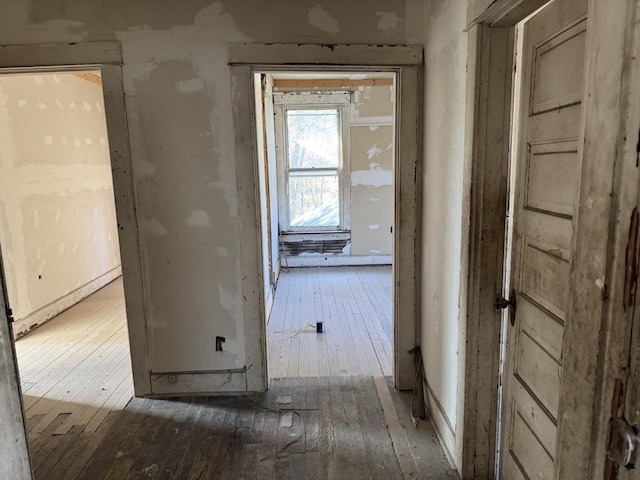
(326, 153)
(61, 260)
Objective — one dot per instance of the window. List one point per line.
(313, 189)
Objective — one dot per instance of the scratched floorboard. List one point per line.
(330, 427)
(320, 419)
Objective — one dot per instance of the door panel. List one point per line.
(548, 167)
(552, 177)
(559, 70)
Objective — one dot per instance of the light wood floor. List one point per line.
(74, 371)
(355, 306)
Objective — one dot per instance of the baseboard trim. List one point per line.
(441, 424)
(335, 260)
(41, 316)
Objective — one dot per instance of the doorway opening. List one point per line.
(61, 260)
(326, 148)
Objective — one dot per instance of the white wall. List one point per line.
(179, 114)
(372, 151)
(444, 217)
(57, 217)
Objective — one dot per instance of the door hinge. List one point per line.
(624, 443)
(9, 313)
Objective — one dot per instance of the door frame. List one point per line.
(106, 56)
(591, 309)
(406, 61)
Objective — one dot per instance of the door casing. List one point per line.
(602, 226)
(106, 56)
(406, 62)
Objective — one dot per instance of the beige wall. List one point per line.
(445, 218)
(371, 157)
(57, 217)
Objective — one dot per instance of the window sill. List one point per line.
(320, 235)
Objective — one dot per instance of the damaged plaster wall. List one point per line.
(57, 217)
(444, 219)
(372, 152)
(179, 110)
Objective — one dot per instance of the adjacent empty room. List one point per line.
(326, 150)
(61, 258)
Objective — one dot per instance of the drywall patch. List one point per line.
(221, 23)
(322, 20)
(198, 219)
(228, 300)
(373, 152)
(145, 169)
(192, 85)
(154, 227)
(372, 178)
(388, 21)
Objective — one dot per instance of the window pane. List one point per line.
(313, 140)
(314, 200)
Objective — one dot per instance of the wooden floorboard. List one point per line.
(355, 306)
(75, 372)
(329, 413)
(333, 428)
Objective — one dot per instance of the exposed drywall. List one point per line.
(444, 217)
(57, 217)
(372, 151)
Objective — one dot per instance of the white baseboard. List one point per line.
(441, 425)
(24, 325)
(335, 260)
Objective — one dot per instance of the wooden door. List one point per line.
(548, 168)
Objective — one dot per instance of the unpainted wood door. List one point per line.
(548, 168)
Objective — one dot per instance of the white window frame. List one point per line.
(284, 101)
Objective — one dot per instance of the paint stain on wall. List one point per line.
(388, 21)
(198, 219)
(192, 85)
(372, 178)
(322, 20)
(155, 228)
(373, 152)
